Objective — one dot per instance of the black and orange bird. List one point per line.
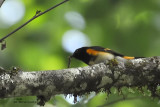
(96, 54)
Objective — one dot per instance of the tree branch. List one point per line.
(78, 81)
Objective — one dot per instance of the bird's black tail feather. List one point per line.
(138, 57)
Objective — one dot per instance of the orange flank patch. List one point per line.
(128, 57)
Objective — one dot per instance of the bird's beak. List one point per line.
(69, 60)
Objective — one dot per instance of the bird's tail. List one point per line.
(138, 57)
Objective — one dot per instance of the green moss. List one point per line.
(112, 63)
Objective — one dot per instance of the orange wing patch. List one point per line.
(92, 52)
(128, 57)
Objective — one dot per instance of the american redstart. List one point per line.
(96, 54)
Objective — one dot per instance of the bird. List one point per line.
(97, 54)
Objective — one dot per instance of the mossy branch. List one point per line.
(78, 81)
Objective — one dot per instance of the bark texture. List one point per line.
(78, 81)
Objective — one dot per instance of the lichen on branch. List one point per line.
(78, 81)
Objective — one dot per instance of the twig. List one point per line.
(38, 13)
(1, 2)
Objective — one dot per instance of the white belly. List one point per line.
(101, 58)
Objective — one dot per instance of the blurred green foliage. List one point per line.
(131, 27)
